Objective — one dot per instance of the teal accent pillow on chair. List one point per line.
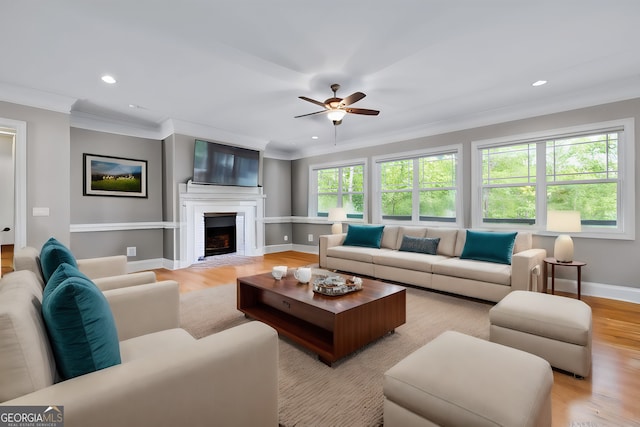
(489, 246)
(368, 236)
(81, 328)
(52, 254)
(62, 273)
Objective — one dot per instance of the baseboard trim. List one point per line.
(272, 249)
(146, 264)
(601, 290)
(309, 249)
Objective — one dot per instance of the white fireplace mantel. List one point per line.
(196, 200)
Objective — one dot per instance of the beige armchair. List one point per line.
(106, 272)
(166, 378)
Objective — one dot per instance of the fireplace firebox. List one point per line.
(219, 233)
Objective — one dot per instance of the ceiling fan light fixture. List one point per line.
(336, 115)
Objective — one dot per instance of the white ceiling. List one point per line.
(233, 70)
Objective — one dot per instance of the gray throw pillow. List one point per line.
(423, 245)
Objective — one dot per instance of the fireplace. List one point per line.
(247, 203)
(219, 233)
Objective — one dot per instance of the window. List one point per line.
(517, 180)
(419, 187)
(338, 186)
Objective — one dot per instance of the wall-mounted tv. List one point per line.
(225, 165)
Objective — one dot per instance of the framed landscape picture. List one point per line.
(114, 176)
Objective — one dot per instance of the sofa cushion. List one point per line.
(354, 253)
(410, 231)
(81, 328)
(489, 246)
(423, 245)
(53, 254)
(390, 237)
(27, 362)
(368, 236)
(407, 260)
(447, 238)
(482, 271)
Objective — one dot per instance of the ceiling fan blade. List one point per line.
(364, 111)
(311, 114)
(313, 101)
(354, 97)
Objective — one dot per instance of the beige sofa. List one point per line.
(166, 378)
(444, 271)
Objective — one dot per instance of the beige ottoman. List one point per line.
(459, 380)
(556, 328)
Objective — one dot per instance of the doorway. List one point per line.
(14, 135)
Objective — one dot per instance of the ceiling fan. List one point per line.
(336, 108)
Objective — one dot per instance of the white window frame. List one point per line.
(626, 176)
(313, 186)
(377, 196)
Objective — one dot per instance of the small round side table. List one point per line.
(553, 262)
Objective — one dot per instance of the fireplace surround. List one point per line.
(247, 203)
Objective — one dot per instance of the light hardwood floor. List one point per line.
(609, 397)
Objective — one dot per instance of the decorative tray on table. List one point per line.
(336, 285)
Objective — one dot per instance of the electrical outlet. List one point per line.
(131, 251)
(310, 237)
(286, 238)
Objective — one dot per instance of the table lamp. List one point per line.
(563, 222)
(337, 215)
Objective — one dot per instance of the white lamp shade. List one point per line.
(337, 214)
(564, 221)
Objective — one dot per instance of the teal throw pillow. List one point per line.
(489, 246)
(81, 328)
(423, 245)
(368, 236)
(51, 241)
(62, 273)
(52, 255)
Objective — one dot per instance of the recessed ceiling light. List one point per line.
(134, 106)
(314, 137)
(108, 79)
(539, 83)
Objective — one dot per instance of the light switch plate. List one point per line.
(40, 211)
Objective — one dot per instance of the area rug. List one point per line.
(349, 393)
(222, 260)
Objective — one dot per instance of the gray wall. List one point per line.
(609, 261)
(103, 209)
(47, 171)
(277, 188)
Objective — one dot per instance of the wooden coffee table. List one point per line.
(330, 326)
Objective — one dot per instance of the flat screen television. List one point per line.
(225, 165)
